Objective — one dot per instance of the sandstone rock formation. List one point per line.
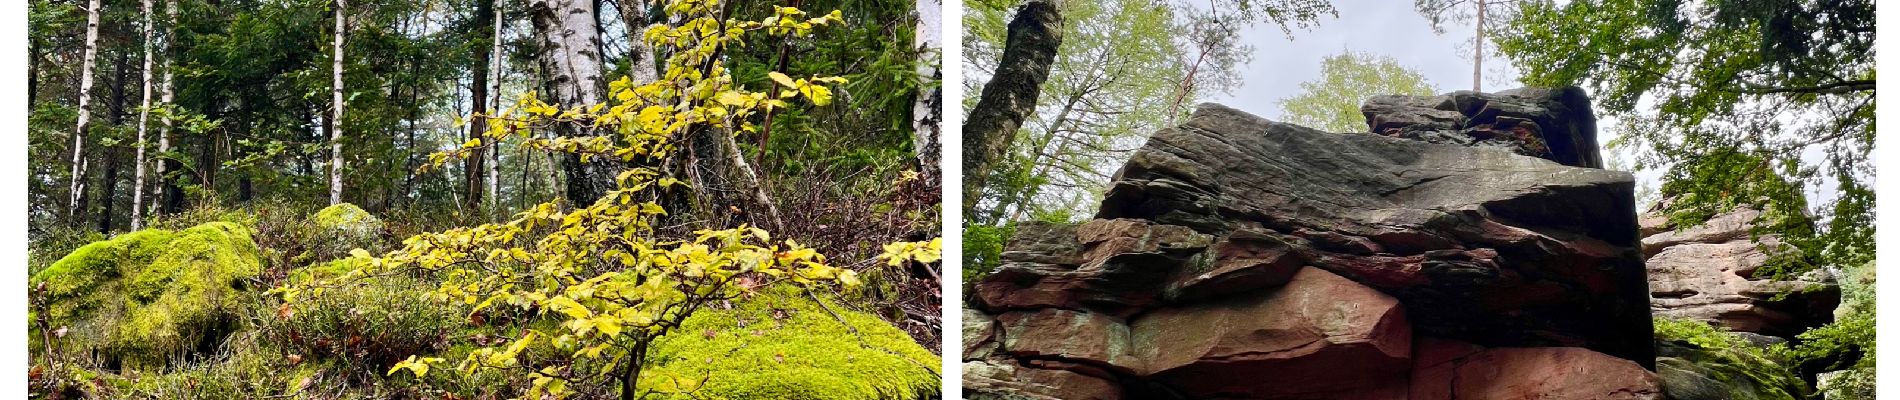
(1707, 273)
(1554, 124)
(1234, 257)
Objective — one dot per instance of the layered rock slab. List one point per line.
(1480, 244)
(1551, 123)
(1707, 273)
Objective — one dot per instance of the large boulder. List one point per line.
(1707, 273)
(784, 345)
(1555, 124)
(1235, 257)
(145, 298)
(1479, 244)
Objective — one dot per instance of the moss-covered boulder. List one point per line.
(1697, 361)
(346, 218)
(144, 297)
(787, 346)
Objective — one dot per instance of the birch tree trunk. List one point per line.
(570, 36)
(1010, 96)
(145, 105)
(640, 56)
(336, 93)
(78, 185)
(172, 196)
(927, 112)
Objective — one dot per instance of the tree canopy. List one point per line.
(1331, 103)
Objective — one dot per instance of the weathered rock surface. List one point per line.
(1234, 257)
(1453, 370)
(1707, 273)
(1555, 124)
(1479, 244)
(1286, 343)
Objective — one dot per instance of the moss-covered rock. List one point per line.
(144, 297)
(1696, 361)
(348, 219)
(787, 346)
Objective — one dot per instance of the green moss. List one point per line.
(1697, 361)
(349, 219)
(786, 346)
(147, 296)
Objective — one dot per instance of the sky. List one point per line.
(1380, 28)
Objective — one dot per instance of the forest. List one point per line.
(1722, 111)
(474, 199)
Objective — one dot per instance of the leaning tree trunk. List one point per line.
(474, 166)
(570, 37)
(145, 105)
(927, 112)
(336, 99)
(1010, 96)
(78, 186)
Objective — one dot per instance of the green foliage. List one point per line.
(145, 297)
(1331, 103)
(983, 249)
(1114, 81)
(1754, 102)
(1746, 370)
(362, 327)
(785, 345)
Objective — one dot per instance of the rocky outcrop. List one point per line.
(1235, 257)
(1554, 124)
(1707, 273)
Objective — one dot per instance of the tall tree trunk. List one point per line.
(494, 152)
(1477, 53)
(642, 65)
(336, 99)
(145, 105)
(570, 36)
(927, 112)
(108, 183)
(74, 206)
(475, 166)
(32, 72)
(1010, 96)
(174, 196)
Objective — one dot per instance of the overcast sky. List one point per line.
(1380, 28)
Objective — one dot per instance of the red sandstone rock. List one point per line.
(1320, 336)
(1005, 380)
(1054, 333)
(1451, 370)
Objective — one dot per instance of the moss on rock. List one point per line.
(146, 296)
(348, 219)
(787, 346)
(1697, 361)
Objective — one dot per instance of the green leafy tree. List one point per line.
(1744, 102)
(1331, 103)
